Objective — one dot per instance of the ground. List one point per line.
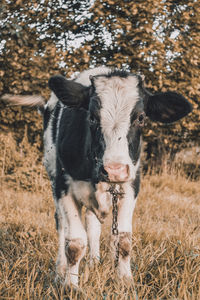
(165, 247)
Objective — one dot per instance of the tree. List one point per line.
(159, 39)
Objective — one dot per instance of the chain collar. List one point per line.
(116, 195)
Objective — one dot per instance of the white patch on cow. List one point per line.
(93, 228)
(84, 77)
(103, 197)
(49, 151)
(61, 263)
(74, 229)
(74, 226)
(97, 201)
(49, 146)
(52, 102)
(126, 208)
(59, 118)
(135, 168)
(82, 191)
(118, 98)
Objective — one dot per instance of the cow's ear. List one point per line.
(71, 93)
(167, 107)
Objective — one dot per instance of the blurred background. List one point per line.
(159, 39)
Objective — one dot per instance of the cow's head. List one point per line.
(117, 105)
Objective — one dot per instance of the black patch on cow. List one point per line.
(46, 117)
(98, 148)
(94, 107)
(41, 110)
(60, 182)
(55, 115)
(143, 93)
(136, 183)
(118, 73)
(134, 133)
(74, 143)
(133, 138)
(56, 220)
(115, 73)
(98, 143)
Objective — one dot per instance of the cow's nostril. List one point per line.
(103, 175)
(104, 172)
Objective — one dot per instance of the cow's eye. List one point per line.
(93, 120)
(141, 119)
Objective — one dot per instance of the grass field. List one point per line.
(165, 252)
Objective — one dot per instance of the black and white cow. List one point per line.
(92, 138)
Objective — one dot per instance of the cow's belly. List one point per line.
(83, 191)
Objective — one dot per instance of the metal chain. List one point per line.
(116, 195)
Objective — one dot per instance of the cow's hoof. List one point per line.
(128, 281)
(94, 262)
(73, 291)
(60, 273)
(69, 288)
(59, 280)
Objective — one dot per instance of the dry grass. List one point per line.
(166, 241)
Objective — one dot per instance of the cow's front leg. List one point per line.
(61, 263)
(93, 227)
(75, 238)
(121, 243)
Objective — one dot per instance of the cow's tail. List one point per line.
(26, 100)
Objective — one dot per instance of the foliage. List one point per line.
(159, 39)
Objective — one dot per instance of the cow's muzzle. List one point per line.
(117, 172)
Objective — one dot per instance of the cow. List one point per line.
(92, 142)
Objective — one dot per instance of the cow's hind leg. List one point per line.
(93, 227)
(75, 237)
